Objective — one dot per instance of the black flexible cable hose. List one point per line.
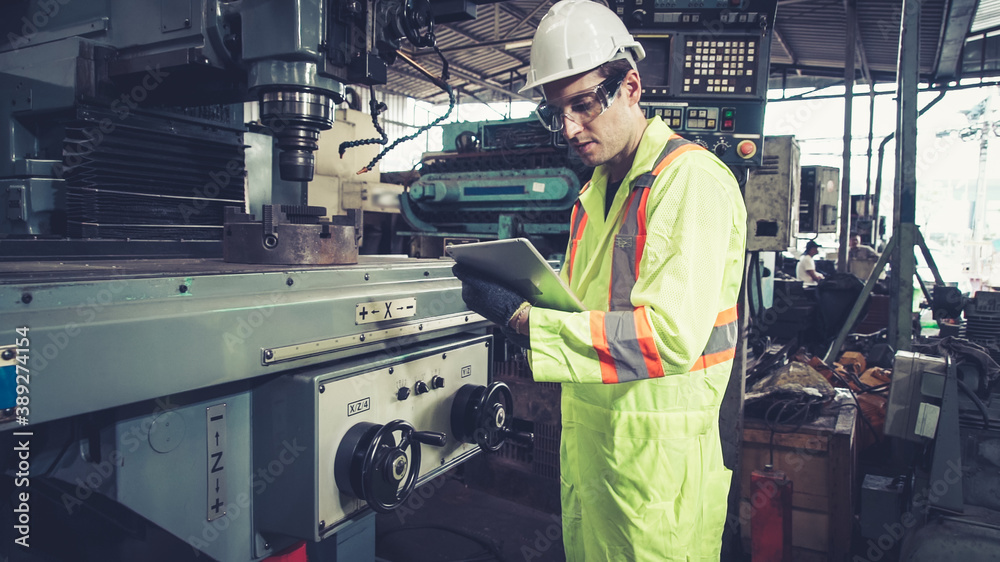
(441, 82)
(975, 400)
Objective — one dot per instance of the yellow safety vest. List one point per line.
(646, 367)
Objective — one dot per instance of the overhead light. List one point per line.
(517, 44)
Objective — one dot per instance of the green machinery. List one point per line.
(503, 179)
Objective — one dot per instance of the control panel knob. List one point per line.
(372, 465)
(437, 382)
(420, 387)
(403, 393)
(746, 149)
(638, 16)
(720, 147)
(701, 142)
(483, 415)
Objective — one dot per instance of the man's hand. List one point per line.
(491, 299)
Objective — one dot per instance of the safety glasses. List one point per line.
(581, 107)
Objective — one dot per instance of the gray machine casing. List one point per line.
(151, 353)
(314, 410)
(772, 197)
(915, 396)
(819, 199)
(160, 464)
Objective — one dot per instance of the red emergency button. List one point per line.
(746, 149)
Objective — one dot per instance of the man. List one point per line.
(805, 271)
(859, 251)
(861, 259)
(656, 255)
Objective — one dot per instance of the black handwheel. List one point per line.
(374, 467)
(483, 415)
(417, 15)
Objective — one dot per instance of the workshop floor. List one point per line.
(445, 520)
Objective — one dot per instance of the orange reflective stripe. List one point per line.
(577, 234)
(647, 344)
(641, 232)
(726, 317)
(721, 344)
(609, 375)
(673, 156)
(706, 361)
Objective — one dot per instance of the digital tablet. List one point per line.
(516, 263)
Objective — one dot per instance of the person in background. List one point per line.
(860, 258)
(860, 251)
(805, 271)
(656, 250)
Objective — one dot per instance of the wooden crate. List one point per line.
(819, 459)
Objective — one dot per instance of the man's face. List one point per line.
(604, 137)
(855, 241)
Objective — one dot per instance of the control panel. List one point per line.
(819, 199)
(367, 431)
(732, 130)
(706, 68)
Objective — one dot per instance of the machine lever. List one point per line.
(432, 438)
(525, 438)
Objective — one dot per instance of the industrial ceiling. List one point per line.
(488, 55)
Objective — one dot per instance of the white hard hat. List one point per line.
(576, 36)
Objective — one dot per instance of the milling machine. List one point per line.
(197, 362)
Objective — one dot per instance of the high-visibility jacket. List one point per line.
(645, 369)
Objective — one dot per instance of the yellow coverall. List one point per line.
(641, 461)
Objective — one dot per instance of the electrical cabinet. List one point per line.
(772, 197)
(819, 199)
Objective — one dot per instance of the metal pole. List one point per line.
(979, 216)
(859, 304)
(904, 209)
(881, 156)
(845, 181)
(868, 181)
